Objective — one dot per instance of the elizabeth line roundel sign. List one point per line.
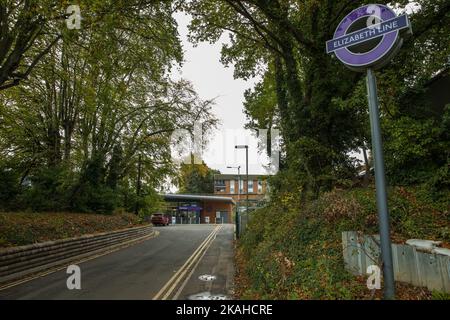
(368, 37)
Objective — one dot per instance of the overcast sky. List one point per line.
(212, 80)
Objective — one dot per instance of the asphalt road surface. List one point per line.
(183, 262)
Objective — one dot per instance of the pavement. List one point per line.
(183, 262)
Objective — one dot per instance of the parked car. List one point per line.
(159, 219)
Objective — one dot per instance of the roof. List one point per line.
(196, 197)
(242, 175)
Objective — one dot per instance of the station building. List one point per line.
(229, 195)
(199, 209)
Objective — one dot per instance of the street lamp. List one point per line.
(246, 173)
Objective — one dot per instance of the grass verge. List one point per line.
(295, 252)
(22, 228)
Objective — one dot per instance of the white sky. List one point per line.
(211, 79)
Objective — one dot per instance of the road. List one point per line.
(165, 267)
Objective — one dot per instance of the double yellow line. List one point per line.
(172, 284)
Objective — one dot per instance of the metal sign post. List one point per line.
(367, 39)
(380, 182)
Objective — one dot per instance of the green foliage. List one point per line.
(298, 255)
(293, 255)
(9, 188)
(196, 179)
(318, 105)
(152, 203)
(100, 99)
(321, 111)
(440, 296)
(48, 190)
(99, 199)
(416, 212)
(417, 151)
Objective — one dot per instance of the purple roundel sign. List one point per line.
(368, 37)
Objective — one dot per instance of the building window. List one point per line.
(250, 186)
(260, 185)
(241, 186)
(219, 186)
(232, 191)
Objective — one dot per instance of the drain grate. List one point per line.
(207, 277)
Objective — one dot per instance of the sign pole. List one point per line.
(238, 203)
(380, 182)
(359, 53)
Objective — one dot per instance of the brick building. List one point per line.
(194, 209)
(236, 187)
(229, 194)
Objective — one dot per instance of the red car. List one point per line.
(159, 219)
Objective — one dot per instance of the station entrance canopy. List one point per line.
(195, 209)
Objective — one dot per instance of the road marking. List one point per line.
(175, 297)
(180, 274)
(199, 256)
(170, 286)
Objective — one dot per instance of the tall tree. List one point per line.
(101, 98)
(196, 179)
(283, 41)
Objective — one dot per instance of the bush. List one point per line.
(9, 188)
(48, 190)
(417, 151)
(295, 252)
(98, 199)
(91, 193)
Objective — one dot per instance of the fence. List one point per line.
(422, 269)
(244, 219)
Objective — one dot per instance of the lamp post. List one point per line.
(246, 173)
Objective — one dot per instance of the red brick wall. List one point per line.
(211, 207)
(252, 196)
